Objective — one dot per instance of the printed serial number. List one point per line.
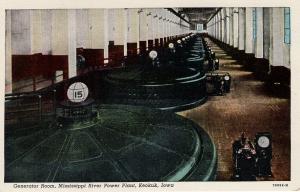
(280, 185)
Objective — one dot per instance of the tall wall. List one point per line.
(99, 34)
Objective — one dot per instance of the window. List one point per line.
(254, 23)
(287, 26)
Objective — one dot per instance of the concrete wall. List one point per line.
(20, 32)
(61, 32)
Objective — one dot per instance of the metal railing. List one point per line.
(30, 106)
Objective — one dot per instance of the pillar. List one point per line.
(266, 30)
(235, 28)
(149, 28)
(241, 29)
(230, 26)
(259, 33)
(143, 30)
(249, 31)
(218, 25)
(161, 26)
(223, 12)
(155, 26)
(227, 26)
(106, 34)
(72, 71)
(164, 24)
(277, 37)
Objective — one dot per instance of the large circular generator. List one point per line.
(166, 87)
(119, 143)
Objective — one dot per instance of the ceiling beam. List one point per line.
(219, 9)
(178, 15)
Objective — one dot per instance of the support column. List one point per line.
(72, 71)
(277, 34)
(173, 29)
(217, 26)
(227, 26)
(249, 31)
(169, 26)
(106, 35)
(160, 27)
(8, 53)
(230, 27)
(149, 28)
(155, 27)
(143, 30)
(164, 21)
(267, 32)
(220, 26)
(235, 28)
(125, 28)
(241, 29)
(223, 12)
(259, 33)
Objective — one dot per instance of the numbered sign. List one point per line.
(77, 92)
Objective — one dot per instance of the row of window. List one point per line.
(287, 25)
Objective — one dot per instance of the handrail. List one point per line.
(38, 95)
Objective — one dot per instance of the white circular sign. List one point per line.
(263, 141)
(77, 92)
(226, 77)
(153, 54)
(179, 41)
(171, 45)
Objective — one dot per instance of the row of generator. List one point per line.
(177, 76)
(118, 125)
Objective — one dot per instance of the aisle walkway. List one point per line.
(250, 108)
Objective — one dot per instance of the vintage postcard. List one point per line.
(149, 96)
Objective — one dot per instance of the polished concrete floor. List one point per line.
(249, 107)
